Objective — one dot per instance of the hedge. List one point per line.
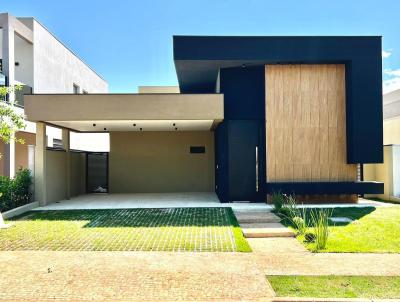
(16, 191)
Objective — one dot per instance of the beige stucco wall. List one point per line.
(21, 151)
(78, 173)
(56, 175)
(143, 162)
(391, 131)
(382, 173)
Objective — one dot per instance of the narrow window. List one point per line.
(76, 89)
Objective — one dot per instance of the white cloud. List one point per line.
(386, 54)
(391, 85)
(391, 72)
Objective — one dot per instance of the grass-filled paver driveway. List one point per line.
(171, 229)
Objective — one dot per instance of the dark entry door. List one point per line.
(97, 172)
(244, 166)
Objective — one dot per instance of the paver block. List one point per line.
(256, 217)
(265, 230)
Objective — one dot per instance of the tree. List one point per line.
(10, 122)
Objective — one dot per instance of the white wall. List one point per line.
(56, 68)
(24, 56)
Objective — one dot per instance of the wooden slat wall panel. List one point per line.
(306, 123)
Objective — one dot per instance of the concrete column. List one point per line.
(40, 164)
(9, 159)
(66, 147)
(9, 72)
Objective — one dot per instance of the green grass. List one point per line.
(374, 230)
(177, 229)
(372, 287)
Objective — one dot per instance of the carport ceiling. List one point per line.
(136, 125)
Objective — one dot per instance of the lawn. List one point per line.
(336, 286)
(175, 229)
(374, 230)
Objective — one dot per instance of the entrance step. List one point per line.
(265, 230)
(256, 217)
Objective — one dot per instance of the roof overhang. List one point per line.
(126, 112)
(198, 59)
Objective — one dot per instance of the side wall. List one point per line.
(21, 151)
(56, 175)
(56, 68)
(78, 173)
(388, 172)
(141, 162)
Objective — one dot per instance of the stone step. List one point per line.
(265, 230)
(256, 217)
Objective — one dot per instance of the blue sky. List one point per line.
(129, 42)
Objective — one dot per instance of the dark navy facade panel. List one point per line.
(199, 59)
(221, 162)
(244, 117)
(244, 92)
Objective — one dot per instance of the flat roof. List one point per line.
(120, 111)
(199, 58)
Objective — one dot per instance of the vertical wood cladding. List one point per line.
(306, 124)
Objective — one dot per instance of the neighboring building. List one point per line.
(389, 171)
(254, 115)
(33, 57)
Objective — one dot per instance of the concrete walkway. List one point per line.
(174, 200)
(148, 200)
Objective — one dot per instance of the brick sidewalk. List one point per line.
(169, 276)
(131, 276)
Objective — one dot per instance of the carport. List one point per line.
(159, 143)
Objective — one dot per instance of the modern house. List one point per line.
(253, 116)
(33, 57)
(388, 172)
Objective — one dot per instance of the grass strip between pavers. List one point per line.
(241, 243)
(168, 229)
(372, 287)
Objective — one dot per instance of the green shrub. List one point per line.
(278, 201)
(15, 192)
(320, 220)
(300, 224)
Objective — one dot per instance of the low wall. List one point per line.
(78, 173)
(56, 175)
(388, 172)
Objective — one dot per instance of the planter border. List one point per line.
(20, 210)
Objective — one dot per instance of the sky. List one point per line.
(129, 42)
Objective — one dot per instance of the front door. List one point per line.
(244, 166)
